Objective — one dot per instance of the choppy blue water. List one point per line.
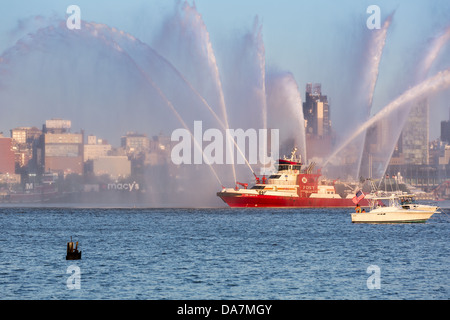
(219, 254)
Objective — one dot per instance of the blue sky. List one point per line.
(315, 40)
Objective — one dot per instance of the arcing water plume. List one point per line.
(171, 106)
(193, 44)
(211, 58)
(97, 39)
(285, 102)
(65, 74)
(242, 71)
(424, 67)
(164, 97)
(375, 52)
(261, 56)
(356, 106)
(433, 53)
(379, 41)
(151, 52)
(27, 26)
(436, 83)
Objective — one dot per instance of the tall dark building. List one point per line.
(316, 111)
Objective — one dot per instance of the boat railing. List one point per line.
(375, 200)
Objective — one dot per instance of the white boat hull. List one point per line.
(421, 207)
(388, 216)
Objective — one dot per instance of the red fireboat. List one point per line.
(291, 186)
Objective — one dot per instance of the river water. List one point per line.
(283, 254)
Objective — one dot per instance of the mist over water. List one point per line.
(358, 106)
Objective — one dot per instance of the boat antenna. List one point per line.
(294, 150)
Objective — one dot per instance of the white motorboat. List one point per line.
(394, 212)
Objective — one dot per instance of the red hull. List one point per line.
(263, 201)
